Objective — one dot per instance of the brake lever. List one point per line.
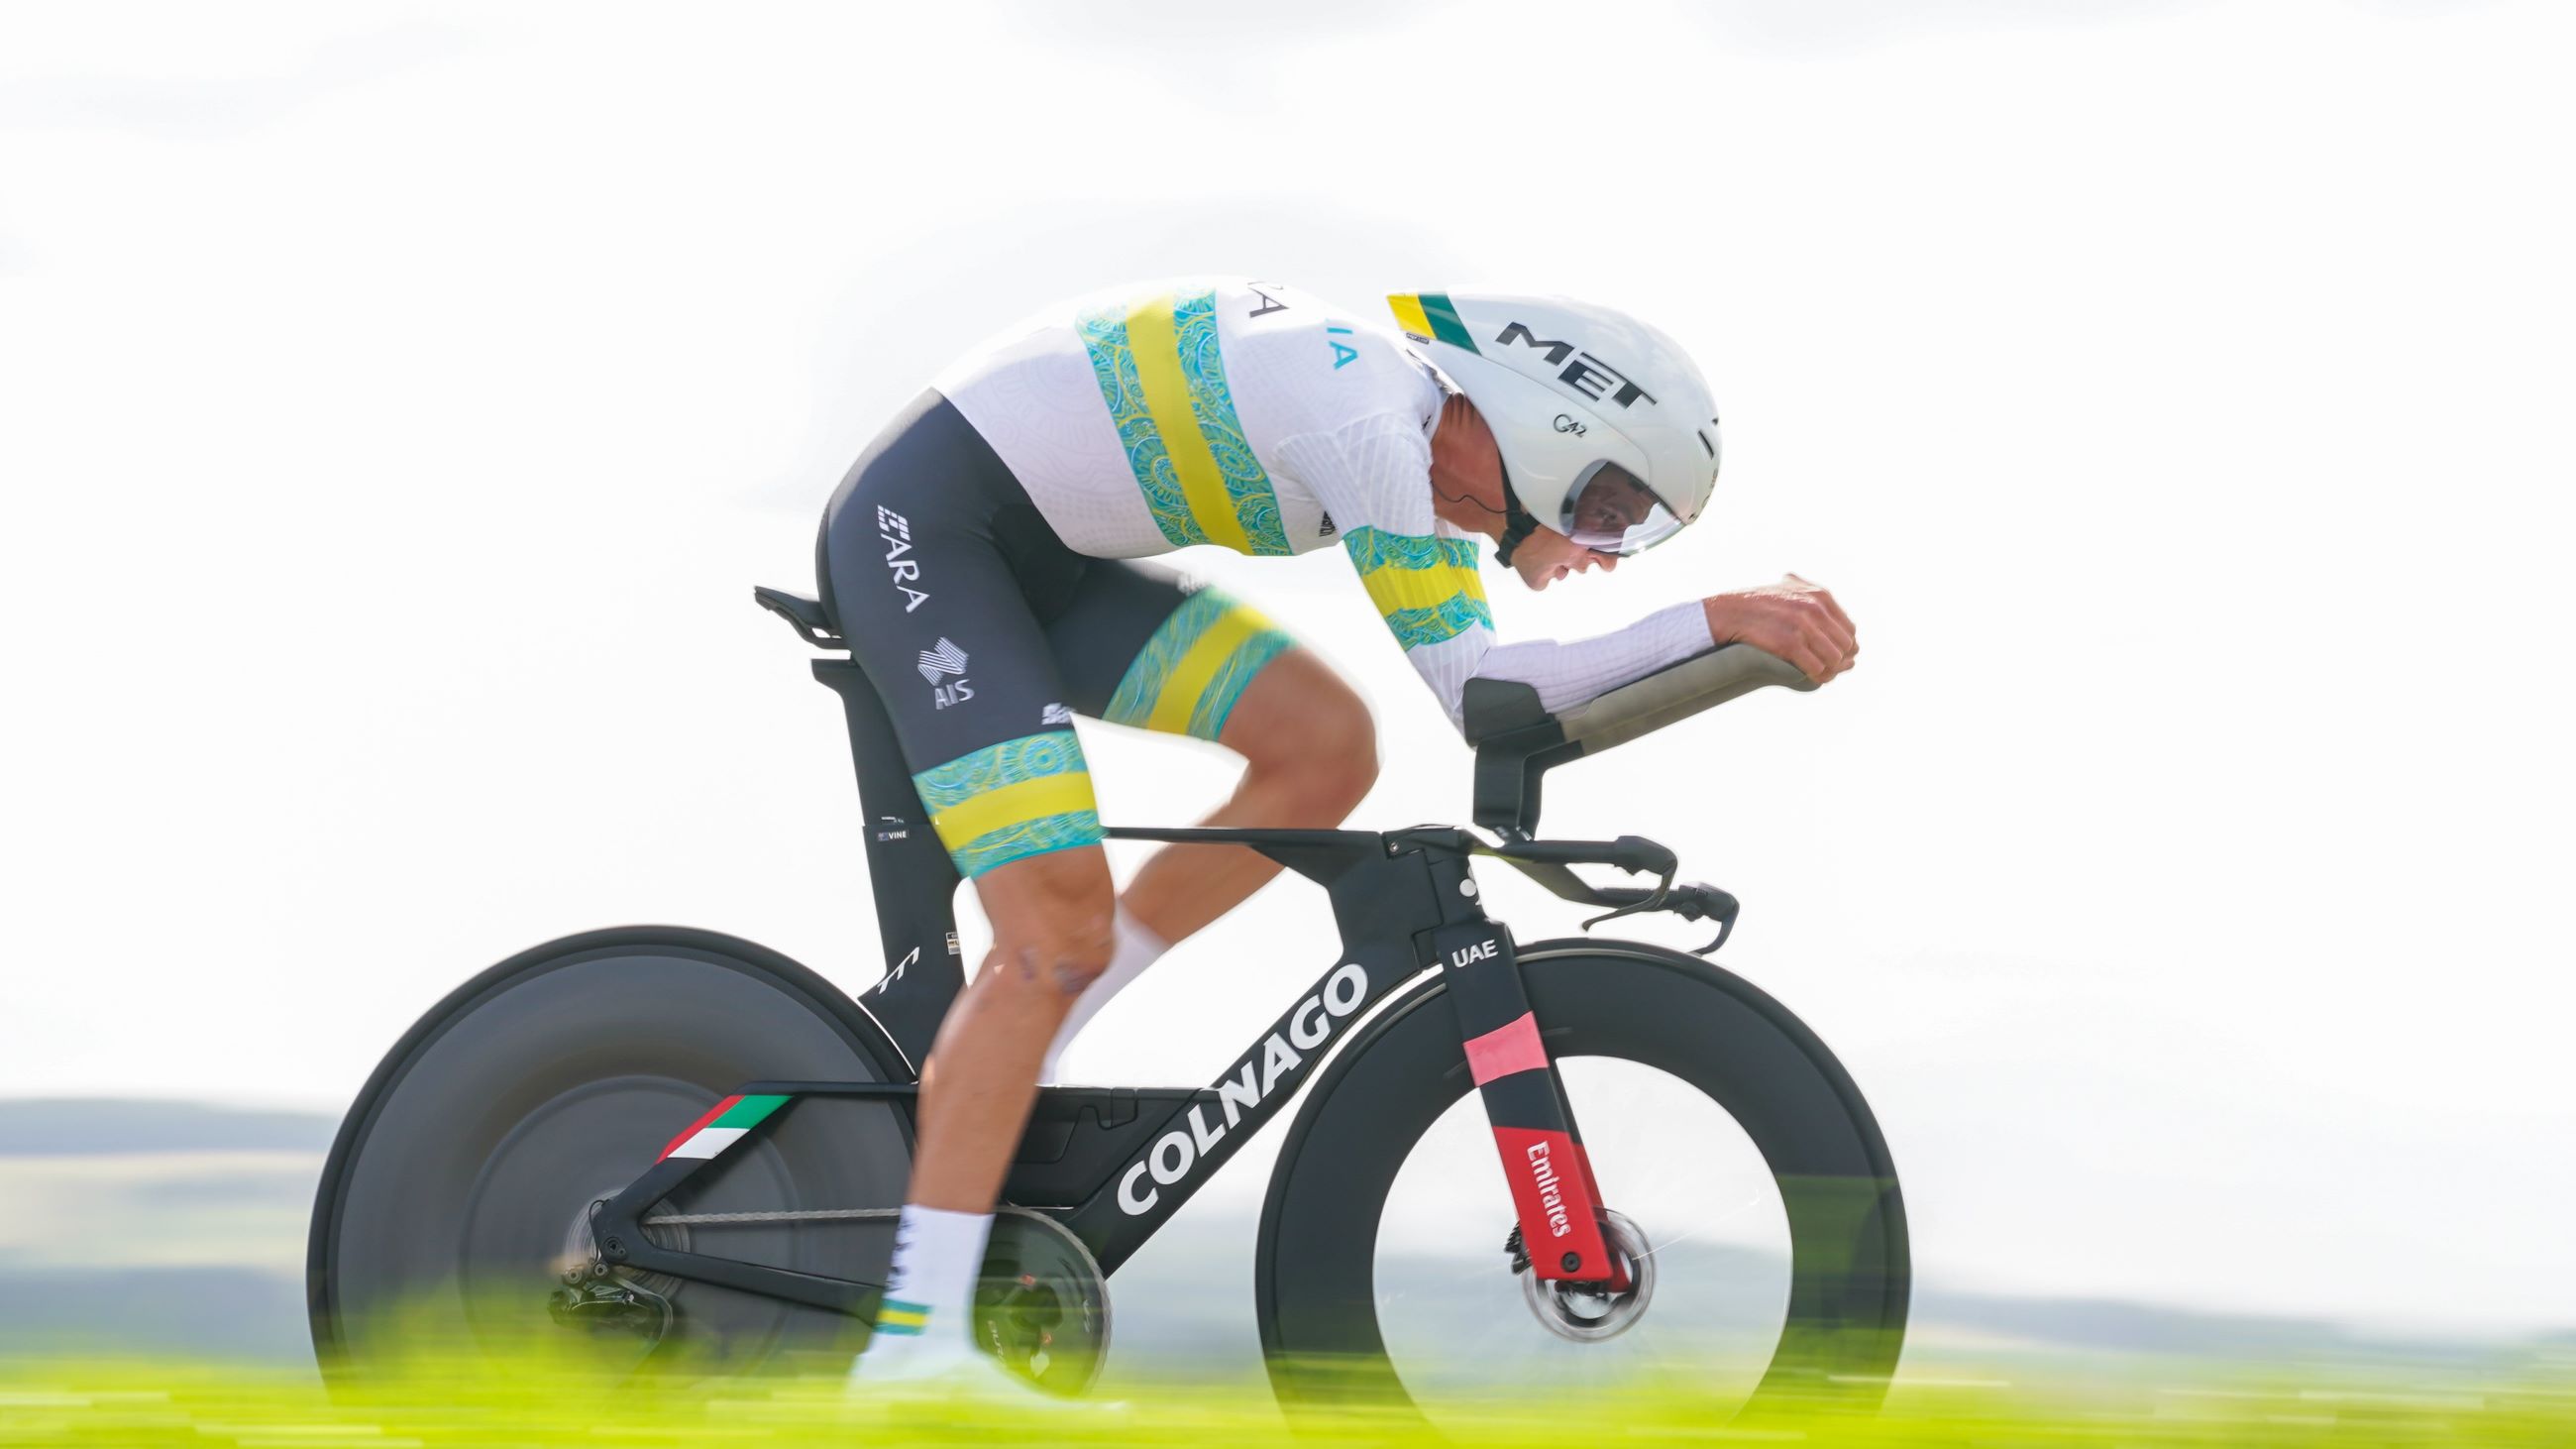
(1547, 862)
(1715, 905)
(1646, 900)
(1690, 902)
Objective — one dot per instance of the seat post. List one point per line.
(909, 872)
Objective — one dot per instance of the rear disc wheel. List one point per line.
(456, 1198)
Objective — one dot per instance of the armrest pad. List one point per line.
(1700, 682)
(1517, 742)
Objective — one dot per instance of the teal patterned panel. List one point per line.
(1256, 503)
(1113, 367)
(1069, 831)
(1375, 548)
(1141, 687)
(1455, 616)
(1216, 702)
(1031, 757)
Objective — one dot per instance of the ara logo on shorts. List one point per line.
(1255, 1078)
(940, 662)
(902, 568)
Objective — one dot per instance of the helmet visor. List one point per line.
(1610, 511)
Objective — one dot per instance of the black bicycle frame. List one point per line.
(1404, 903)
(1385, 896)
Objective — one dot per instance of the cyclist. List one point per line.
(977, 559)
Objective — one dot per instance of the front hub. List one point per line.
(1592, 1312)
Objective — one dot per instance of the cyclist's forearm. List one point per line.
(1568, 672)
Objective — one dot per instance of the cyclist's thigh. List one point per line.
(1137, 647)
(933, 609)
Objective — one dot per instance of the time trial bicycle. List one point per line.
(686, 1152)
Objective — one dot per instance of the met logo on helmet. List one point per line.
(1569, 388)
(1586, 374)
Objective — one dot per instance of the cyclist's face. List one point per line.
(1547, 555)
(1612, 503)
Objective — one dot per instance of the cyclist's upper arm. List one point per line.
(1373, 477)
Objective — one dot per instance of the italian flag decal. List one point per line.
(723, 1126)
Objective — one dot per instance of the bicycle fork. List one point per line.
(1552, 1187)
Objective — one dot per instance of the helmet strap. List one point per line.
(1518, 525)
(1518, 522)
(1516, 529)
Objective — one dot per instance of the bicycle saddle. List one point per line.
(812, 624)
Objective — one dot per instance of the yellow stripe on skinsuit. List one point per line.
(1408, 314)
(1156, 346)
(1394, 590)
(963, 824)
(1205, 656)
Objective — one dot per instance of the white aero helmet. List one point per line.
(1607, 430)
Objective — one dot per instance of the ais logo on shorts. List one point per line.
(945, 661)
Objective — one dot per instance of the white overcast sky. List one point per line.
(397, 403)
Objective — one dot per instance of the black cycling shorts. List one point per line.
(986, 636)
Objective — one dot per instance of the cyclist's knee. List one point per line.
(1051, 918)
(1064, 881)
(1341, 764)
(1315, 733)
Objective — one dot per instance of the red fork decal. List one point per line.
(1511, 1047)
(1552, 1191)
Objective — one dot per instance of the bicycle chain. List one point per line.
(780, 1215)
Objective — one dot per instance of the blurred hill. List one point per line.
(177, 1226)
(101, 1126)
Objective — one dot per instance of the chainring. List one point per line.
(1042, 1307)
(1041, 1303)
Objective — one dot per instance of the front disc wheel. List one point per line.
(1744, 1177)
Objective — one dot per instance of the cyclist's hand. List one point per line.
(1793, 618)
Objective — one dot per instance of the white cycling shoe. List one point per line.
(948, 1371)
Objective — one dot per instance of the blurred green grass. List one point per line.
(144, 1401)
